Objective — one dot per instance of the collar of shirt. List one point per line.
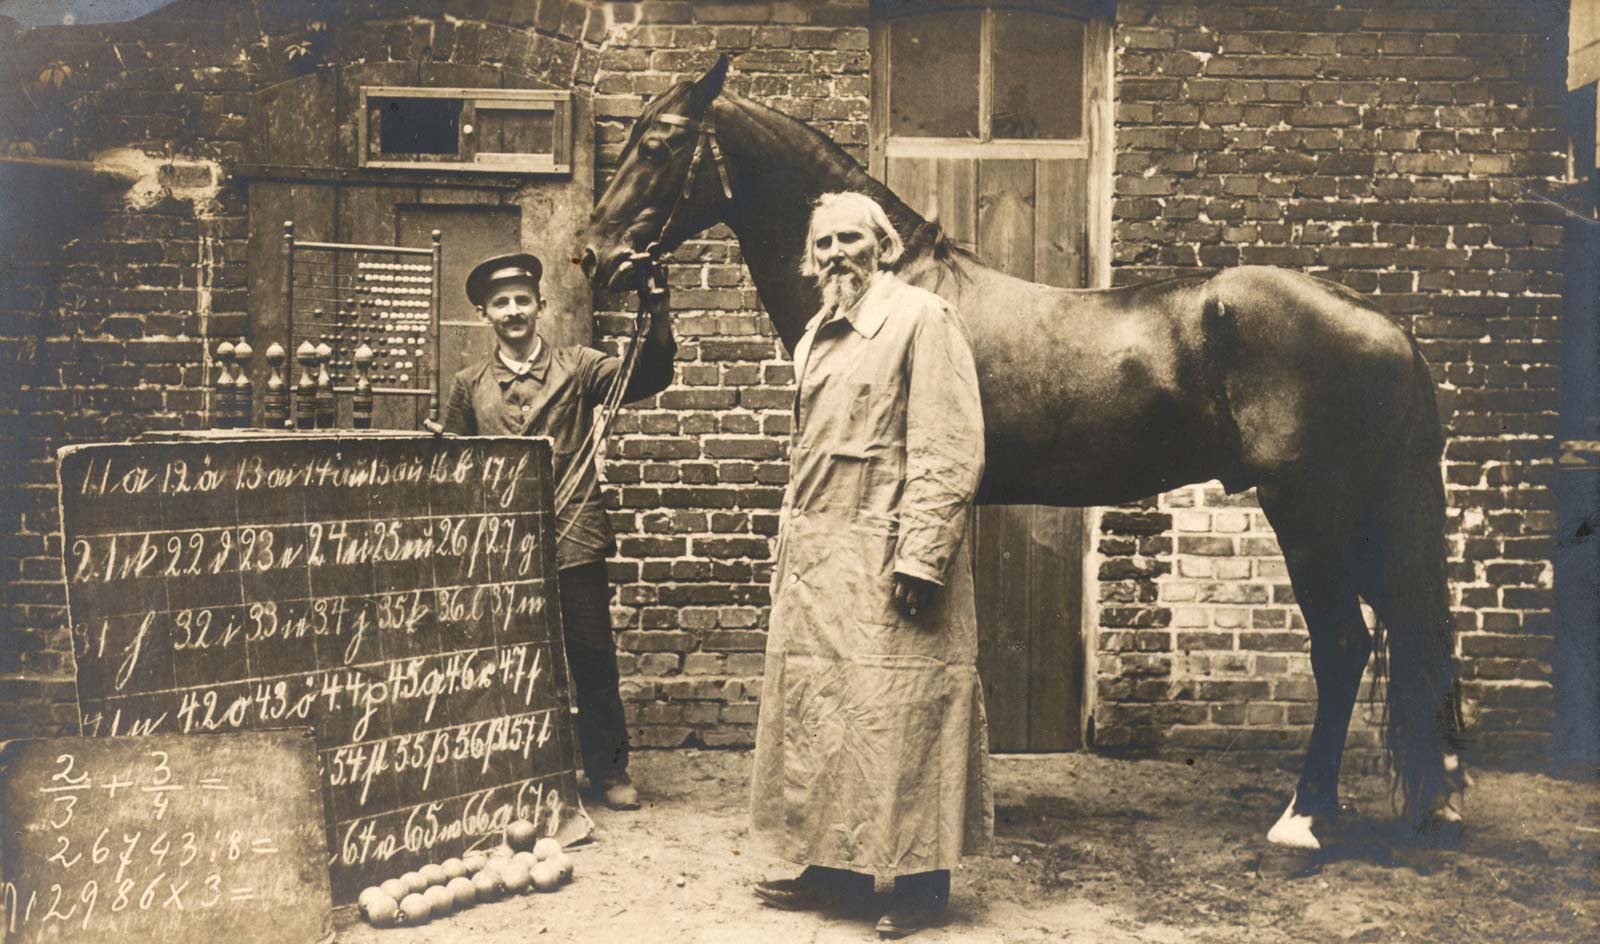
(865, 315)
(536, 367)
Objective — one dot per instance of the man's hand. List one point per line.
(433, 427)
(913, 594)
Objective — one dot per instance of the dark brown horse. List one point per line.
(1258, 377)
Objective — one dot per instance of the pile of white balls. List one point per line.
(517, 866)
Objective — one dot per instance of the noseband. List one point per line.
(705, 143)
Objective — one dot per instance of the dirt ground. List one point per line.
(1088, 849)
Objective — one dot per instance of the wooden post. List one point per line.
(288, 287)
(222, 392)
(327, 406)
(277, 399)
(433, 326)
(361, 405)
(243, 392)
(305, 389)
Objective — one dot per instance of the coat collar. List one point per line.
(538, 368)
(869, 312)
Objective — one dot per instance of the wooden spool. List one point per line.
(361, 404)
(222, 399)
(243, 390)
(305, 389)
(276, 402)
(327, 405)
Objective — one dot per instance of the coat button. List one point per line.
(794, 579)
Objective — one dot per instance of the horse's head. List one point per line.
(671, 184)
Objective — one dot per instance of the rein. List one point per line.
(566, 489)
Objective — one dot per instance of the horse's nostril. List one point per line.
(588, 261)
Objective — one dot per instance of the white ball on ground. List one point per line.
(414, 909)
(382, 911)
(516, 876)
(440, 900)
(546, 847)
(462, 891)
(564, 865)
(546, 876)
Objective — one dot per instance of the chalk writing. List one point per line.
(392, 593)
(153, 836)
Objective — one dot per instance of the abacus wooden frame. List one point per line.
(435, 256)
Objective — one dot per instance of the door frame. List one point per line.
(1098, 146)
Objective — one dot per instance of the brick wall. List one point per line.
(113, 281)
(1385, 145)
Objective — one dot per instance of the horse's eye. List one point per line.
(652, 150)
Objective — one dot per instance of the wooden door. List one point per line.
(994, 133)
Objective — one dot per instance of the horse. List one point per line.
(1254, 376)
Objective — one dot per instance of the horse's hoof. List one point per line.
(1294, 830)
(1287, 862)
(1443, 828)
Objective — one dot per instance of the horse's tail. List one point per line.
(1405, 582)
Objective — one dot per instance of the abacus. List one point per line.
(340, 297)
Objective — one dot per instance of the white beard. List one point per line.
(841, 289)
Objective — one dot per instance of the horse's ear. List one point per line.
(709, 86)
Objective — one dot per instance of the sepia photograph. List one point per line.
(799, 471)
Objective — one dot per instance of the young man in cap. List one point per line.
(528, 387)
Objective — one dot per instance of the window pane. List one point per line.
(508, 131)
(1038, 76)
(933, 75)
(405, 126)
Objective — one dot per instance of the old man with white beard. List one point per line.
(871, 749)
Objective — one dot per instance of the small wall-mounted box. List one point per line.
(523, 131)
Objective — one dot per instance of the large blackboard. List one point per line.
(396, 592)
(175, 839)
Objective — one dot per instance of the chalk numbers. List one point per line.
(169, 866)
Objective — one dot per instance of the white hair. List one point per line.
(869, 210)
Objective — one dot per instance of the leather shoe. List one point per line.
(905, 918)
(817, 890)
(620, 793)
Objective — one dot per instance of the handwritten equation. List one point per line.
(125, 834)
(395, 594)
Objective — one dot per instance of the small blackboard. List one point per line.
(396, 592)
(164, 838)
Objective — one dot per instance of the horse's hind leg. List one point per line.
(1315, 537)
(1423, 695)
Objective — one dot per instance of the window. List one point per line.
(984, 74)
(505, 130)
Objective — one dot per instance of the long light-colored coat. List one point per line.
(871, 747)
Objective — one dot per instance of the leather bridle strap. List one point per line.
(706, 142)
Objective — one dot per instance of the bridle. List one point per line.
(706, 143)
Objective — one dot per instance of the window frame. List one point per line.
(558, 103)
(985, 144)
